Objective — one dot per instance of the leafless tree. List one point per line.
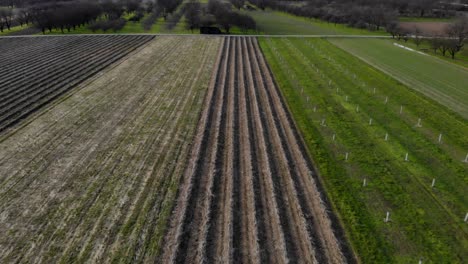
(193, 14)
(458, 33)
(6, 18)
(417, 36)
(435, 42)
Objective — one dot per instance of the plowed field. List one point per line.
(250, 193)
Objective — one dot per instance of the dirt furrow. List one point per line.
(312, 199)
(209, 169)
(220, 228)
(294, 226)
(193, 189)
(275, 246)
(247, 251)
(250, 193)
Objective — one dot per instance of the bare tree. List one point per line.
(393, 28)
(193, 14)
(452, 47)
(435, 43)
(417, 34)
(444, 45)
(23, 16)
(6, 18)
(458, 33)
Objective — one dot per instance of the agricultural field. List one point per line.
(428, 28)
(94, 177)
(35, 71)
(250, 193)
(192, 149)
(461, 58)
(439, 80)
(392, 160)
(280, 23)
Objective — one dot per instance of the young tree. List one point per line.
(417, 34)
(435, 43)
(23, 16)
(6, 18)
(393, 28)
(452, 47)
(443, 45)
(458, 32)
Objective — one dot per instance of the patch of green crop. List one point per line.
(439, 80)
(280, 23)
(331, 96)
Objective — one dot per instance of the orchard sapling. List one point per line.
(419, 123)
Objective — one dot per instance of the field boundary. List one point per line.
(408, 85)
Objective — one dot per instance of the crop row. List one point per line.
(250, 193)
(36, 72)
(375, 155)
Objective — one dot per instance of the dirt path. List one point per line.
(78, 182)
(250, 193)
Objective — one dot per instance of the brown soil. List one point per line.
(249, 193)
(428, 28)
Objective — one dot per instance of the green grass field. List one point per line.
(438, 79)
(460, 59)
(277, 23)
(332, 98)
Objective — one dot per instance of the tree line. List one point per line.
(69, 15)
(218, 13)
